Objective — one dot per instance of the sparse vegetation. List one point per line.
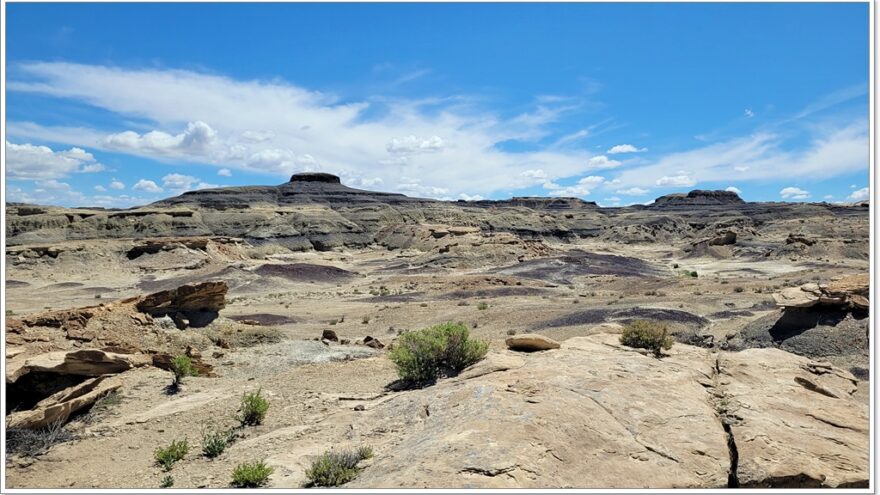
(511, 332)
(251, 475)
(215, 441)
(253, 408)
(646, 334)
(9, 312)
(365, 320)
(738, 289)
(167, 481)
(181, 366)
(442, 350)
(337, 468)
(482, 306)
(29, 443)
(166, 457)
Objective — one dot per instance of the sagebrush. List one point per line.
(442, 350)
(337, 468)
(251, 475)
(645, 334)
(253, 408)
(166, 457)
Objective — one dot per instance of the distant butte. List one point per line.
(315, 177)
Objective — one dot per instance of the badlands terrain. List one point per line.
(299, 291)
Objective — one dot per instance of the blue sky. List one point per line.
(118, 105)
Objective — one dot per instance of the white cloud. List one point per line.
(411, 144)
(100, 188)
(828, 196)
(179, 183)
(749, 113)
(30, 162)
(116, 184)
(448, 143)
(195, 140)
(794, 193)
(761, 157)
(625, 148)
(633, 191)
(583, 187)
(466, 197)
(860, 195)
(602, 162)
(734, 190)
(224, 172)
(677, 180)
(147, 186)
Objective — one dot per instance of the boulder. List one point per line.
(796, 297)
(61, 405)
(851, 290)
(330, 335)
(530, 342)
(85, 362)
(373, 342)
(188, 305)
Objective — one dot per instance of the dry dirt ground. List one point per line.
(314, 389)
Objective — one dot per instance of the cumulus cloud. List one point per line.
(466, 197)
(117, 184)
(100, 188)
(794, 193)
(147, 186)
(625, 148)
(583, 187)
(30, 162)
(224, 172)
(676, 180)
(195, 140)
(733, 190)
(859, 195)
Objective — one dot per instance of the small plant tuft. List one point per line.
(169, 455)
(167, 481)
(337, 468)
(253, 408)
(251, 475)
(214, 442)
(30, 443)
(482, 306)
(646, 334)
(182, 367)
(442, 350)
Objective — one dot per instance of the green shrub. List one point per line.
(337, 468)
(646, 334)
(253, 408)
(365, 320)
(169, 455)
(482, 306)
(214, 442)
(167, 482)
(182, 366)
(425, 355)
(251, 475)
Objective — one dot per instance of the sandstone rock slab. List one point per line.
(529, 342)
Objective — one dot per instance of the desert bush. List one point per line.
(365, 320)
(646, 334)
(482, 306)
(738, 289)
(167, 481)
(337, 468)
(182, 366)
(251, 475)
(253, 408)
(446, 349)
(166, 457)
(214, 441)
(30, 443)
